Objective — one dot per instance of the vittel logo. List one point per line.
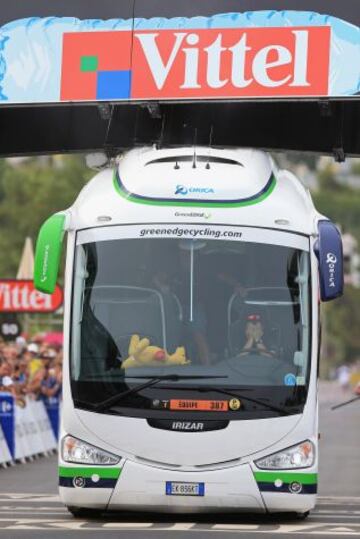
(331, 261)
(187, 425)
(197, 63)
(182, 190)
(21, 296)
(233, 61)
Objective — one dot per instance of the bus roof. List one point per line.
(187, 185)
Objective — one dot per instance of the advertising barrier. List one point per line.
(29, 430)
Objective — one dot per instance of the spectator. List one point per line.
(30, 370)
(34, 361)
(343, 376)
(51, 382)
(6, 382)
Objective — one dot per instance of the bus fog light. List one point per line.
(79, 482)
(295, 487)
(79, 452)
(297, 456)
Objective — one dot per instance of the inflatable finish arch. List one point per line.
(108, 75)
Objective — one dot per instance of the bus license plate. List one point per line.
(184, 489)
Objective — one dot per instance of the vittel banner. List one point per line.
(257, 54)
(20, 296)
(212, 63)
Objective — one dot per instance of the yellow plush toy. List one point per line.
(142, 354)
(178, 357)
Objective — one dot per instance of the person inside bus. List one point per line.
(254, 338)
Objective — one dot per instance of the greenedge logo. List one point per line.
(204, 215)
(45, 266)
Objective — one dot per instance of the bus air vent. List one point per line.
(189, 158)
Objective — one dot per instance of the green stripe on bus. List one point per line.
(103, 473)
(286, 477)
(153, 202)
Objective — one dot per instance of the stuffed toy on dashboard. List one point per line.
(142, 354)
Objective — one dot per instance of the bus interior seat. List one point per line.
(126, 311)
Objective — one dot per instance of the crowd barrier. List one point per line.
(27, 430)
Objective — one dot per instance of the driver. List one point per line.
(254, 333)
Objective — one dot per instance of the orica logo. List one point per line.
(331, 260)
(182, 190)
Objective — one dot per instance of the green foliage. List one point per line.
(341, 318)
(302, 158)
(341, 336)
(29, 193)
(338, 202)
(355, 169)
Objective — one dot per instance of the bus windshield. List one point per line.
(234, 306)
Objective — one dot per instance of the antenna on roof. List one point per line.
(194, 156)
(207, 166)
(162, 130)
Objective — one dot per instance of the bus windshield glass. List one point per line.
(151, 301)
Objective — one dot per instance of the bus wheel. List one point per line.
(302, 516)
(83, 512)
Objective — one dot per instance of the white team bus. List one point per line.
(192, 287)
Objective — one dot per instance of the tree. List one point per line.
(342, 317)
(29, 194)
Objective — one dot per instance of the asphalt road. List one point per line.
(30, 508)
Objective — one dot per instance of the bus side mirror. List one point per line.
(329, 252)
(48, 253)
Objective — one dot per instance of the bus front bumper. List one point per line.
(141, 487)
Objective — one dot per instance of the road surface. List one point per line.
(30, 508)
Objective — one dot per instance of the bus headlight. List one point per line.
(79, 452)
(297, 456)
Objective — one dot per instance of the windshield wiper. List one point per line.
(240, 396)
(108, 403)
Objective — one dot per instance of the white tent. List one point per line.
(26, 266)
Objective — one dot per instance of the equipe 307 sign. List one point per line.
(214, 63)
(20, 296)
(258, 54)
